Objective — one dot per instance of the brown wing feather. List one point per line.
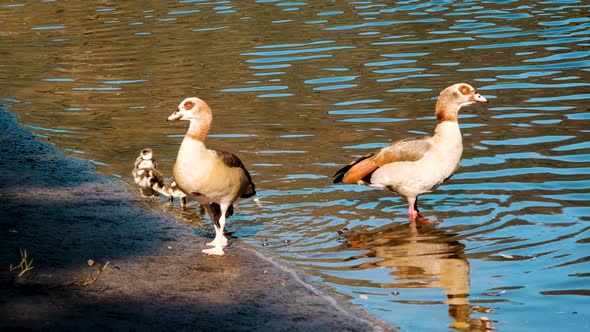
(356, 171)
(360, 170)
(231, 160)
(251, 189)
(409, 149)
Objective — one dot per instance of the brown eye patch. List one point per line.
(464, 89)
(189, 105)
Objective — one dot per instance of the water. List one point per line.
(301, 88)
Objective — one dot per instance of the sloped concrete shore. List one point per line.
(148, 272)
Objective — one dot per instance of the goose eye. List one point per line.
(188, 105)
(464, 89)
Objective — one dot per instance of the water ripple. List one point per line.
(306, 50)
(300, 89)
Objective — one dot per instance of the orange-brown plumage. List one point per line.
(359, 171)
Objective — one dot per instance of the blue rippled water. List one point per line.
(300, 88)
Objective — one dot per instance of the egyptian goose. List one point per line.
(212, 177)
(145, 172)
(151, 181)
(171, 189)
(414, 166)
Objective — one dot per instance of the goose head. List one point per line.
(453, 98)
(198, 113)
(192, 109)
(146, 154)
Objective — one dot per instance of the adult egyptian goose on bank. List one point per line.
(212, 177)
(414, 166)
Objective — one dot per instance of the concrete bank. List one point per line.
(64, 214)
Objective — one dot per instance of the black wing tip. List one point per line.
(339, 176)
(249, 194)
(250, 191)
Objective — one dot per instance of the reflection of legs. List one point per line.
(146, 192)
(455, 279)
(220, 240)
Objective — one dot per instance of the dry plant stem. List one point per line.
(25, 265)
(93, 279)
(89, 281)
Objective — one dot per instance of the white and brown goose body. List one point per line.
(209, 176)
(414, 166)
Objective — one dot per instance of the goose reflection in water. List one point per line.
(425, 257)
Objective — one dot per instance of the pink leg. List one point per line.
(412, 213)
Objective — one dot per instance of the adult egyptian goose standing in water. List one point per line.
(414, 166)
(214, 178)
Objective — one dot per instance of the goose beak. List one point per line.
(477, 98)
(174, 116)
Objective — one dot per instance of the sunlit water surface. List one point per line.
(300, 88)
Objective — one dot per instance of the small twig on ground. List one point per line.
(25, 264)
(93, 279)
(89, 281)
